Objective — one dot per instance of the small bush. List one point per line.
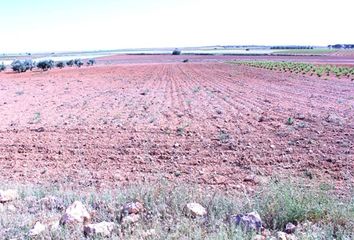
(60, 64)
(176, 52)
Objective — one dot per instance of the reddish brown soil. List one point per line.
(209, 123)
(119, 59)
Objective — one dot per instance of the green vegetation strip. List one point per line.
(302, 68)
(305, 51)
(278, 203)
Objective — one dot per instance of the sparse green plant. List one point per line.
(303, 68)
(285, 202)
(181, 129)
(290, 121)
(36, 119)
(224, 136)
(196, 89)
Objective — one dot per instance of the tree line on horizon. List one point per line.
(45, 65)
(341, 46)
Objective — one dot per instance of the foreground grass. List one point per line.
(278, 204)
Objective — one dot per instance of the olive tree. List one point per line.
(70, 63)
(78, 62)
(2, 67)
(45, 65)
(22, 65)
(91, 62)
(60, 64)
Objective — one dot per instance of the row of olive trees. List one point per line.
(45, 65)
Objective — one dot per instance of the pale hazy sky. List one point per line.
(49, 25)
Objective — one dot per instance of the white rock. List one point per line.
(258, 237)
(281, 236)
(149, 233)
(54, 225)
(11, 208)
(132, 208)
(132, 218)
(290, 228)
(291, 237)
(75, 213)
(103, 229)
(37, 229)
(2, 208)
(8, 195)
(195, 210)
(251, 221)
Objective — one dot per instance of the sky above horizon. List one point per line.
(76, 25)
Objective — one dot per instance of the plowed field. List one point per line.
(204, 122)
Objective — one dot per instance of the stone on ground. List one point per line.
(250, 222)
(149, 233)
(132, 208)
(8, 195)
(290, 228)
(102, 229)
(37, 229)
(130, 219)
(75, 213)
(195, 210)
